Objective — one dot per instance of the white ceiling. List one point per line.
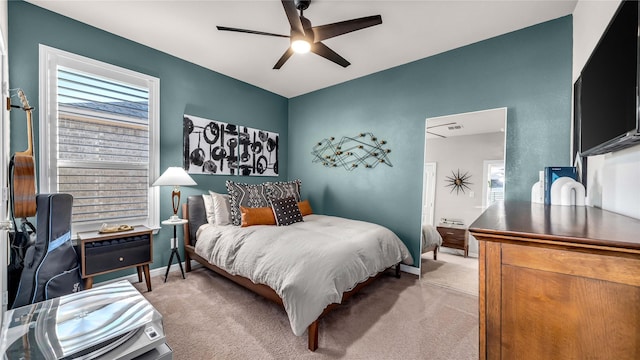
(410, 30)
(471, 123)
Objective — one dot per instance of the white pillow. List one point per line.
(209, 209)
(221, 208)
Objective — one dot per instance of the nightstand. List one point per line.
(455, 237)
(105, 253)
(174, 245)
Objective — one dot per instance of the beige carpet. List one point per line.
(209, 317)
(451, 271)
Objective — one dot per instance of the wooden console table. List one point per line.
(558, 282)
(455, 237)
(104, 253)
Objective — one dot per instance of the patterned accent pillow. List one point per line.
(247, 195)
(283, 189)
(286, 211)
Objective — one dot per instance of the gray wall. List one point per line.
(184, 88)
(527, 71)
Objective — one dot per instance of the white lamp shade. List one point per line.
(174, 176)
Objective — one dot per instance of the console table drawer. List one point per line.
(104, 253)
(108, 255)
(454, 238)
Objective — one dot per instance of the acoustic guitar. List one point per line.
(21, 170)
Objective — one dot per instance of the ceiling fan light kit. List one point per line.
(300, 46)
(304, 37)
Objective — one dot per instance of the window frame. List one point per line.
(49, 60)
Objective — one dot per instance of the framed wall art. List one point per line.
(258, 152)
(210, 147)
(219, 148)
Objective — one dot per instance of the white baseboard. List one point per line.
(133, 278)
(410, 269)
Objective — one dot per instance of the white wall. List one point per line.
(466, 153)
(4, 149)
(612, 179)
(4, 21)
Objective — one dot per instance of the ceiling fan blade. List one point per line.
(328, 31)
(447, 124)
(324, 51)
(292, 15)
(442, 136)
(287, 54)
(225, 28)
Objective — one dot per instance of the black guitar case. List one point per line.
(51, 266)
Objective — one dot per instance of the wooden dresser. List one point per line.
(558, 282)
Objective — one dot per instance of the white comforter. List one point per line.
(430, 237)
(309, 264)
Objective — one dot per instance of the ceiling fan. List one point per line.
(305, 38)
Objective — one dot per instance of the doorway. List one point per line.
(493, 176)
(429, 193)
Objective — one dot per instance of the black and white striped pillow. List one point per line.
(282, 189)
(247, 195)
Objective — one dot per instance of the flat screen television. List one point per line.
(606, 92)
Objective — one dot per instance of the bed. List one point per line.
(431, 240)
(308, 267)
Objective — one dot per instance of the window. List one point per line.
(494, 180)
(99, 128)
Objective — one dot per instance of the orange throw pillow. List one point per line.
(257, 216)
(305, 207)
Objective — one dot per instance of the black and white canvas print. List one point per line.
(210, 147)
(258, 151)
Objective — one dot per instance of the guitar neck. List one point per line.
(29, 151)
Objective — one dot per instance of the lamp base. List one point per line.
(174, 218)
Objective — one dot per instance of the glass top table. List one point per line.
(112, 321)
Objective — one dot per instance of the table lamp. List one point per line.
(175, 176)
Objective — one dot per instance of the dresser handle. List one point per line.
(121, 258)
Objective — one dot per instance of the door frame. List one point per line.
(485, 177)
(5, 150)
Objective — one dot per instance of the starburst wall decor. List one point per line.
(364, 150)
(458, 182)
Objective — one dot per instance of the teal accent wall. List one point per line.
(184, 88)
(528, 71)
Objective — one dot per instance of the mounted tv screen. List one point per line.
(606, 93)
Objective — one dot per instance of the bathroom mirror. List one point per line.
(463, 174)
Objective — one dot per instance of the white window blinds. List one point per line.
(101, 142)
(103, 147)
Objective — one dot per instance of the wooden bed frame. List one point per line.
(264, 290)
